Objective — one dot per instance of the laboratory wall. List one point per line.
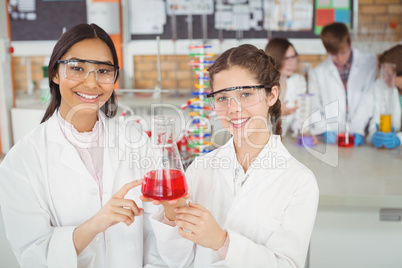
(378, 20)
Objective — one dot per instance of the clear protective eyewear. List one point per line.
(291, 58)
(79, 70)
(245, 96)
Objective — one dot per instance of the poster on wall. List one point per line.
(147, 17)
(22, 9)
(223, 19)
(239, 15)
(186, 7)
(288, 15)
(328, 11)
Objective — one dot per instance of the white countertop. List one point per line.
(363, 177)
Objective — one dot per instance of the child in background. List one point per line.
(389, 139)
(292, 84)
(342, 86)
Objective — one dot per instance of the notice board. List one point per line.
(184, 19)
(33, 20)
(223, 19)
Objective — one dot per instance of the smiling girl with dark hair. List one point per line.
(66, 189)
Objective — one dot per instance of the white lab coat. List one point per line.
(295, 85)
(395, 110)
(330, 98)
(46, 191)
(269, 219)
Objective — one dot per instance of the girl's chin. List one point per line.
(244, 134)
(288, 73)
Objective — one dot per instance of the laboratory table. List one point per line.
(358, 223)
(356, 176)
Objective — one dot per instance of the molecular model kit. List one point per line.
(198, 132)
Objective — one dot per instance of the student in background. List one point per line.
(244, 211)
(291, 83)
(67, 193)
(342, 86)
(388, 139)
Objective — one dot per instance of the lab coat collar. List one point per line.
(274, 150)
(264, 167)
(355, 62)
(54, 133)
(356, 65)
(69, 156)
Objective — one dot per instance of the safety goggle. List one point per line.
(79, 70)
(291, 58)
(244, 96)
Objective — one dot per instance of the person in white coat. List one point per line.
(67, 190)
(252, 204)
(388, 139)
(292, 84)
(342, 87)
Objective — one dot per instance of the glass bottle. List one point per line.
(304, 100)
(387, 78)
(164, 178)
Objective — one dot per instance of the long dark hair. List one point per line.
(74, 35)
(257, 63)
(277, 48)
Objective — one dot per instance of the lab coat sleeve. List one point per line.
(288, 245)
(317, 119)
(365, 110)
(363, 114)
(399, 135)
(28, 226)
(175, 250)
(375, 119)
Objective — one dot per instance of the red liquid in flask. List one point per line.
(167, 184)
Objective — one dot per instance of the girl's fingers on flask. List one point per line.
(128, 203)
(184, 217)
(194, 209)
(126, 215)
(127, 187)
(146, 199)
(177, 201)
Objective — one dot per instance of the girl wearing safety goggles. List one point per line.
(67, 192)
(252, 204)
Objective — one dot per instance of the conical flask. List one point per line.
(164, 178)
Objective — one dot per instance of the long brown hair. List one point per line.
(277, 48)
(392, 55)
(261, 66)
(74, 35)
